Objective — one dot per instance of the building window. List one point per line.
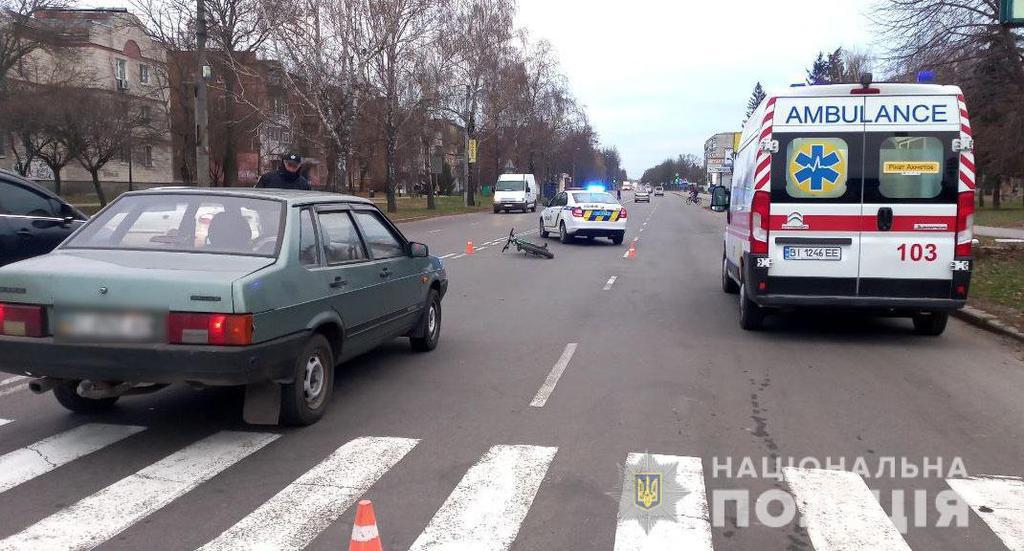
(121, 69)
(147, 156)
(124, 154)
(278, 106)
(146, 114)
(144, 74)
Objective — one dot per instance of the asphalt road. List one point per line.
(458, 458)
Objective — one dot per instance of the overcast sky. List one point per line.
(659, 77)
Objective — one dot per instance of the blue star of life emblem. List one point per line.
(817, 167)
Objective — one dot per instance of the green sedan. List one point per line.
(269, 289)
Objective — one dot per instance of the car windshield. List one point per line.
(199, 223)
(510, 185)
(591, 197)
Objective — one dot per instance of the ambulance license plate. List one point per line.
(812, 253)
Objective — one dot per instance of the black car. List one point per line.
(33, 220)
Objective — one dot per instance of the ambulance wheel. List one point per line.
(751, 315)
(618, 238)
(543, 233)
(931, 324)
(563, 235)
(728, 285)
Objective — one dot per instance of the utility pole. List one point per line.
(202, 115)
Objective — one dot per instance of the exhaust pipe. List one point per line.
(43, 385)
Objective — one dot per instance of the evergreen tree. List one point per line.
(819, 72)
(756, 97)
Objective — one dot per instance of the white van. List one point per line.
(515, 192)
(852, 196)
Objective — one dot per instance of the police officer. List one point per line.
(286, 177)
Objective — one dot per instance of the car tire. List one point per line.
(304, 401)
(563, 235)
(67, 395)
(619, 238)
(496, 210)
(728, 285)
(431, 325)
(930, 324)
(543, 233)
(751, 315)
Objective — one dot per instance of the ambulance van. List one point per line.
(852, 196)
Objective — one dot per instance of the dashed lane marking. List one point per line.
(449, 255)
(556, 373)
(611, 281)
(11, 389)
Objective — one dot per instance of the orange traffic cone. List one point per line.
(632, 251)
(469, 247)
(364, 532)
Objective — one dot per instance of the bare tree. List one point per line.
(20, 34)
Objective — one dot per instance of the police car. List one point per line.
(852, 196)
(582, 213)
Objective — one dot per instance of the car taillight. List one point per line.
(760, 212)
(215, 329)
(622, 214)
(21, 320)
(964, 223)
(577, 212)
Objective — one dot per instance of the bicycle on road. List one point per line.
(523, 245)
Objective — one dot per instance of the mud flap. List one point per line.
(262, 404)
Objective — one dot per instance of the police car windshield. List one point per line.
(591, 197)
(510, 185)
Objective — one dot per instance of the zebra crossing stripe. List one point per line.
(687, 527)
(5, 421)
(999, 501)
(488, 505)
(22, 465)
(297, 514)
(101, 516)
(840, 512)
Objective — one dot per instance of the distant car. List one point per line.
(32, 220)
(659, 191)
(641, 195)
(580, 213)
(627, 187)
(265, 288)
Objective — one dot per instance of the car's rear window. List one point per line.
(198, 223)
(910, 167)
(592, 197)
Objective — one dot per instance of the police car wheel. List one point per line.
(931, 324)
(563, 235)
(543, 233)
(751, 315)
(728, 285)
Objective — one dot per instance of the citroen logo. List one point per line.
(103, 290)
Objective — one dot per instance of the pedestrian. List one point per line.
(287, 176)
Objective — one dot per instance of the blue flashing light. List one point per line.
(926, 76)
(594, 188)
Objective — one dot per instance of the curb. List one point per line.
(984, 320)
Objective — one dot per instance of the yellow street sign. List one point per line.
(472, 151)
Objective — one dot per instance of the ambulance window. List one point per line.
(910, 167)
(817, 168)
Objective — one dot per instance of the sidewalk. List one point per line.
(1007, 233)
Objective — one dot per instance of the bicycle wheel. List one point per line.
(530, 248)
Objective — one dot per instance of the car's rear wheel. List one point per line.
(304, 401)
(751, 315)
(431, 329)
(496, 210)
(563, 235)
(533, 208)
(543, 233)
(728, 285)
(618, 238)
(67, 394)
(931, 324)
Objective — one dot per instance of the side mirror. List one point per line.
(418, 250)
(719, 199)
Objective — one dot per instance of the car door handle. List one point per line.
(338, 282)
(884, 220)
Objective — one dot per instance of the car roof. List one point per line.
(290, 196)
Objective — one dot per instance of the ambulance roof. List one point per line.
(884, 88)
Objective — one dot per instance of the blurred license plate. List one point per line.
(107, 326)
(812, 253)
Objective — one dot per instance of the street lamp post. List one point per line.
(202, 116)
